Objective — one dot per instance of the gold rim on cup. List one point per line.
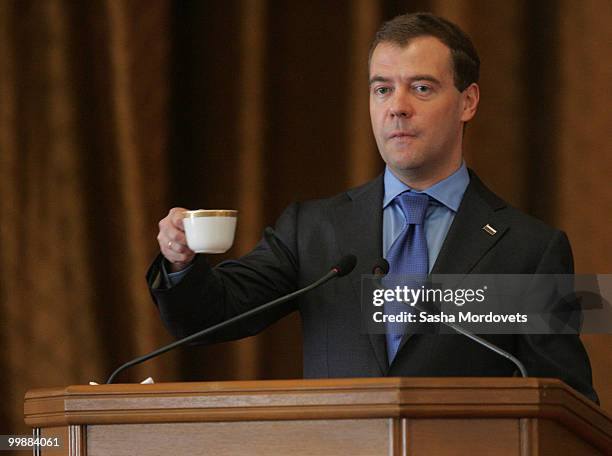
(211, 213)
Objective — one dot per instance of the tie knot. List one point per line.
(414, 206)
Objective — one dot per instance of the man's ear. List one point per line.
(471, 97)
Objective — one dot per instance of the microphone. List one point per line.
(343, 267)
(381, 268)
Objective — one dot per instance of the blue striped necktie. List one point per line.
(407, 256)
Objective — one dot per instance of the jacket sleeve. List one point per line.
(206, 296)
(561, 356)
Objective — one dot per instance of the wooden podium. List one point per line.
(374, 416)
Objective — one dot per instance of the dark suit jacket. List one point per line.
(317, 233)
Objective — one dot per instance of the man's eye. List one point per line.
(381, 90)
(422, 89)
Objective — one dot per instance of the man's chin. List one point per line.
(407, 165)
(405, 171)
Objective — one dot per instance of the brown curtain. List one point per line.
(111, 112)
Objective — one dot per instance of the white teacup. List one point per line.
(210, 230)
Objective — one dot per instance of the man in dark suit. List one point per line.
(423, 90)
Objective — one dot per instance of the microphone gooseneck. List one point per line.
(342, 267)
(381, 268)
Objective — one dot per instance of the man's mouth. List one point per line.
(401, 134)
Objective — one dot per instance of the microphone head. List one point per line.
(345, 265)
(381, 267)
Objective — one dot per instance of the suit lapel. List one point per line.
(358, 224)
(467, 241)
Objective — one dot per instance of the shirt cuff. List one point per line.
(174, 278)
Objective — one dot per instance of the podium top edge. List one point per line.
(301, 384)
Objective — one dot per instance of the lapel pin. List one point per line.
(489, 230)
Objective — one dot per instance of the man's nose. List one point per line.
(401, 105)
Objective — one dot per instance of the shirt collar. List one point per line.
(448, 192)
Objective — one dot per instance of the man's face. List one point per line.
(417, 112)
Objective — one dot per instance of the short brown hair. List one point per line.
(401, 29)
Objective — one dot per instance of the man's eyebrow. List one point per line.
(377, 78)
(425, 77)
(417, 77)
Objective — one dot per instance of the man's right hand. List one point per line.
(172, 241)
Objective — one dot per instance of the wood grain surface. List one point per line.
(391, 415)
